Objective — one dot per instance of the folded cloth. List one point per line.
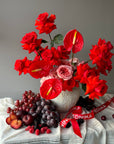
(94, 131)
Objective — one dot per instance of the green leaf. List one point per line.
(84, 87)
(58, 39)
(52, 43)
(44, 41)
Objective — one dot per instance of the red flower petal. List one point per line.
(51, 88)
(72, 42)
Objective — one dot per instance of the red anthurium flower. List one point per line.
(39, 69)
(95, 87)
(22, 65)
(73, 41)
(51, 88)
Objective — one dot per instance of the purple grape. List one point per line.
(48, 117)
(38, 103)
(44, 117)
(47, 112)
(46, 107)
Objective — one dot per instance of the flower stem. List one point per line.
(50, 37)
(39, 54)
(72, 57)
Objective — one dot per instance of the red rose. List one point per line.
(51, 88)
(45, 24)
(64, 72)
(47, 54)
(81, 69)
(29, 38)
(63, 52)
(49, 27)
(55, 60)
(22, 65)
(32, 46)
(43, 17)
(39, 69)
(88, 73)
(51, 18)
(101, 56)
(69, 84)
(73, 41)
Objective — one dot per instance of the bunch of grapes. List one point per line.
(33, 110)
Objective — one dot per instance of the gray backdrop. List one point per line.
(93, 18)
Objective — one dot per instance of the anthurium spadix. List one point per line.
(73, 41)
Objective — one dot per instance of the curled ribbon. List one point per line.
(75, 126)
(76, 112)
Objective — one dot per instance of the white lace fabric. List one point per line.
(94, 131)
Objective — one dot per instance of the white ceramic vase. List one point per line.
(66, 99)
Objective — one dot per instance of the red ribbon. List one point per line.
(76, 112)
(103, 106)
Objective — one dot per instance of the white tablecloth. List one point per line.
(94, 131)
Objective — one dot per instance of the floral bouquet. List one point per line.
(59, 72)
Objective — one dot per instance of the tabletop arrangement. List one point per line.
(62, 76)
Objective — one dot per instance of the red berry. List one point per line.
(42, 130)
(48, 131)
(27, 128)
(37, 132)
(33, 126)
(45, 128)
(103, 118)
(31, 130)
(113, 115)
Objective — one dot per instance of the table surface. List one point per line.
(94, 131)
